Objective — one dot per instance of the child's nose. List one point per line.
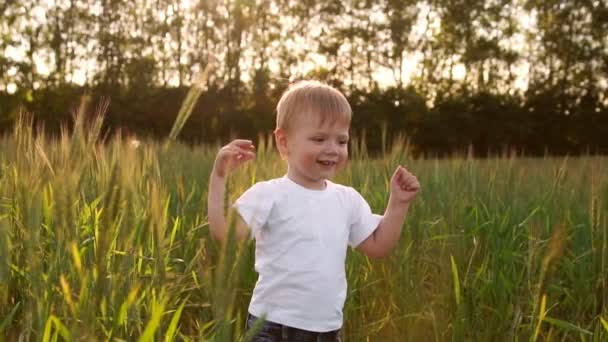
(332, 148)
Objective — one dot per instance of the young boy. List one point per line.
(303, 222)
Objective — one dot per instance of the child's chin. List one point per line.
(328, 174)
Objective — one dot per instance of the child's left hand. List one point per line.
(404, 185)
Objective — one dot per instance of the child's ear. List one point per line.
(280, 138)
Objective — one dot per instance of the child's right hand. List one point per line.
(232, 156)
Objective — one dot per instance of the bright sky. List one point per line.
(384, 76)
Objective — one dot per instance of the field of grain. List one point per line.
(110, 242)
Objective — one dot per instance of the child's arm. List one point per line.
(228, 158)
(404, 188)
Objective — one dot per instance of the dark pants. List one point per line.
(275, 332)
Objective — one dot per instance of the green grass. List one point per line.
(110, 242)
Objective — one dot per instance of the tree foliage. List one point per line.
(488, 76)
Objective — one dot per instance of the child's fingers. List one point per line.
(400, 176)
(406, 180)
(241, 158)
(238, 150)
(415, 186)
(231, 156)
(409, 179)
(395, 175)
(399, 173)
(412, 184)
(242, 143)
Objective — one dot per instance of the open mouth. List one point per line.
(326, 162)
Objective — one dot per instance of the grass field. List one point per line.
(110, 242)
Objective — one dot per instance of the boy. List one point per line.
(302, 222)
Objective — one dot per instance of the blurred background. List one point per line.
(487, 77)
(111, 241)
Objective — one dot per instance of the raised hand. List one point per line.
(404, 185)
(232, 156)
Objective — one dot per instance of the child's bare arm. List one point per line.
(404, 188)
(228, 158)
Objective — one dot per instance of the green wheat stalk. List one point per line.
(191, 98)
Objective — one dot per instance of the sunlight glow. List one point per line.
(426, 26)
(459, 71)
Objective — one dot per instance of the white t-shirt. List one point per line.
(301, 239)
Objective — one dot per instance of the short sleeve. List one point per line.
(362, 221)
(254, 206)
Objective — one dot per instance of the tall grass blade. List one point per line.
(604, 324)
(154, 322)
(254, 330)
(541, 316)
(54, 326)
(188, 105)
(172, 329)
(9, 318)
(566, 325)
(456, 280)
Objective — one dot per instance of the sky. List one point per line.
(384, 76)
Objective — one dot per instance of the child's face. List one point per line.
(314, 152)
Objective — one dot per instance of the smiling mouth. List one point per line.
(327, 163)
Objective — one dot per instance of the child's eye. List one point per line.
(343, 142)
(317, 139)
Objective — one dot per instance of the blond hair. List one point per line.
(312, 98)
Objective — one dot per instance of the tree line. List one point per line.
(488, 76)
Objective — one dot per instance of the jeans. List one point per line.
(275, 332)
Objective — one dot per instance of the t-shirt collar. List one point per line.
(304, 189)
